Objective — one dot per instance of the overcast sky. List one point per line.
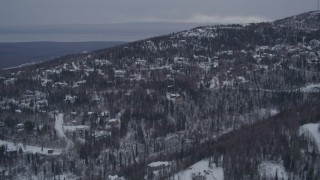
(17, 12)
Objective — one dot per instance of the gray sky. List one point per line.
(22, 12)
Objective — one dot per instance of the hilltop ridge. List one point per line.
(309, 20)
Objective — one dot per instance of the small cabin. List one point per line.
(50, 151)
(105, 114)
(175, 96)
(120, 73)
(159, 166)
(113, 122)
(178, 60)
(141, 62)
(20, 126)
(198, 177)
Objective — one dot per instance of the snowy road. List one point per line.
(60, 132)
(308, 88)
(11, 146)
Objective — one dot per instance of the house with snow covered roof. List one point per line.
(155, 167)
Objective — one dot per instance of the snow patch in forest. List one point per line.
(263, 112)
(201, 169)
(270, 170)
(115, 177)
(274, 112)
(312, 132)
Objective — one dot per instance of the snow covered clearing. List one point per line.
(115, 177)
(311, 131)
(10, 146)
(58, 125)
(274, 112)
(40, 176)
(199, 169)
(270, 170)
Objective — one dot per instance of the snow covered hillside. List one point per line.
(150, 108)
(312, 132)
(201, 169)
(271, 170)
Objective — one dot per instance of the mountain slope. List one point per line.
(234, 94)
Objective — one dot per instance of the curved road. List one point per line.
(58, 125)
